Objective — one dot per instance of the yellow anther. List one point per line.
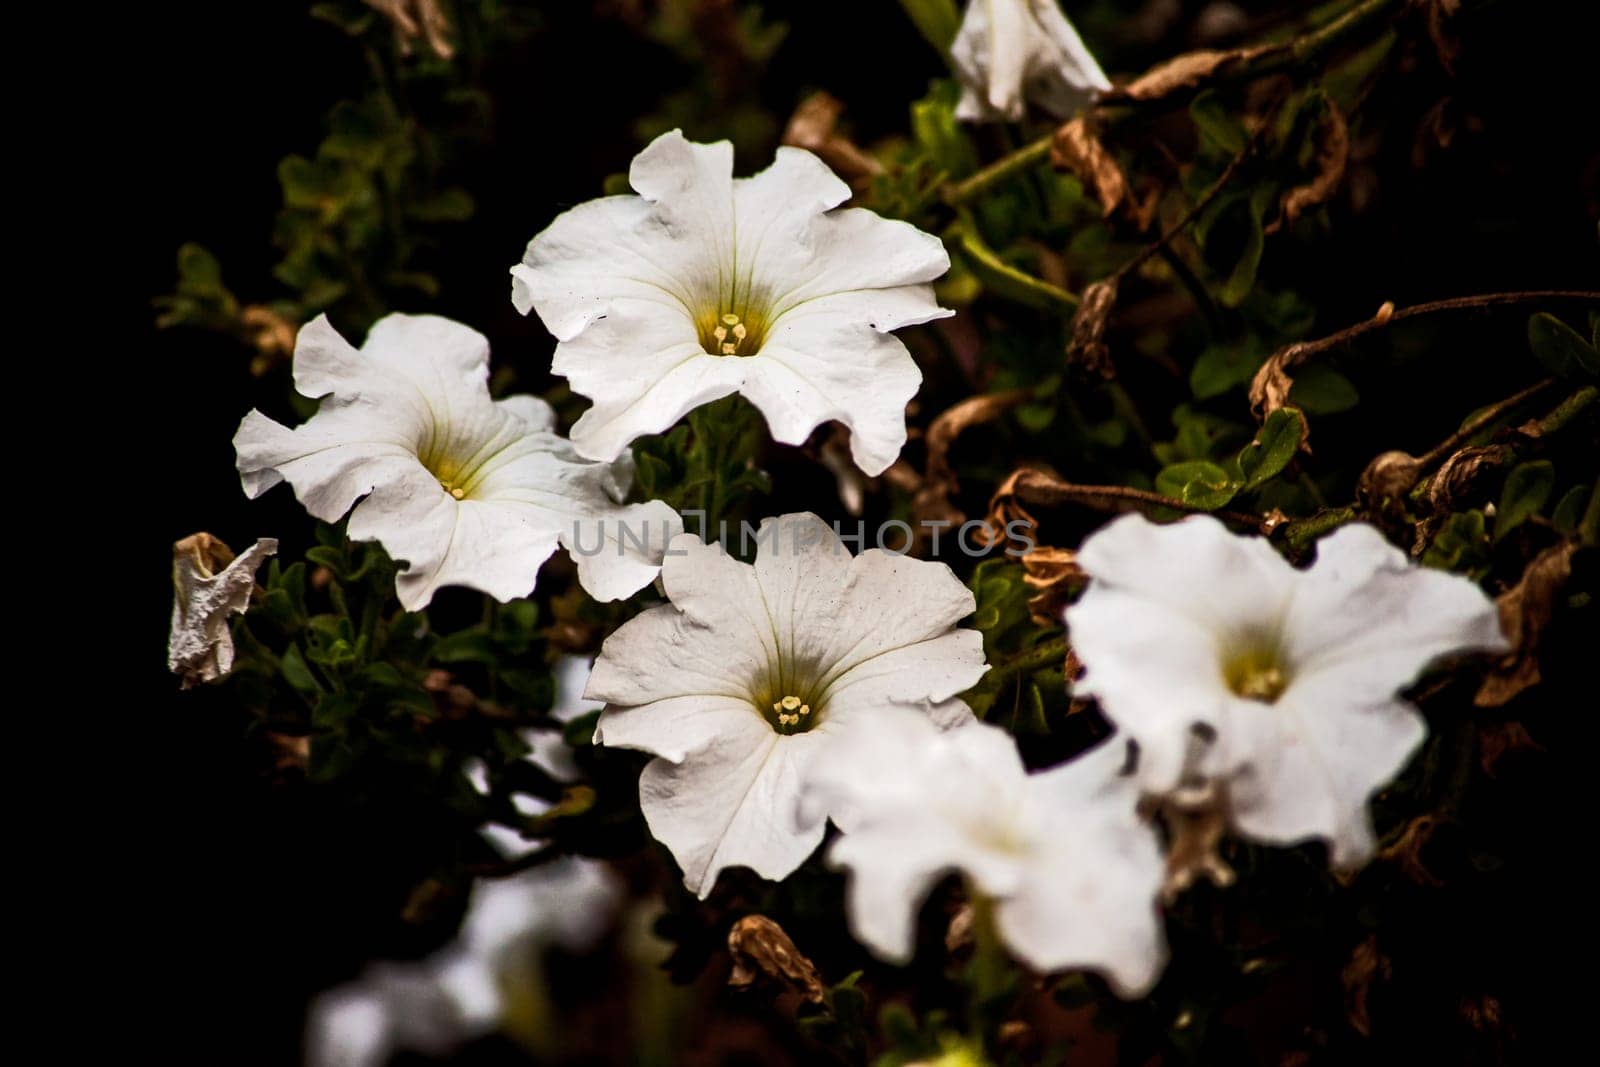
(458, 493)
(739, 331)
(720, 333)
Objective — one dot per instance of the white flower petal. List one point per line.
(1363, 609)
(1313, 760)
(628, 286)
(733, 804)
(413, 402)
(643, 366)
(1011, 51)
(349, 1027)
(677, 727)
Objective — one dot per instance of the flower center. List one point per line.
(791, 713)
(1256, 673)
(732, 333)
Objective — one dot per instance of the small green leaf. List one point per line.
(1224, 367)
(1527, 488)
(1243, 278)
(936, 20)
(1274, 446)
(1569, 512)
(1322, 390)
(1561, 348)
(296, 672)
(1198, 483)
(1218, 128)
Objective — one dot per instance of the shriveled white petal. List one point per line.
(732, 803)
(1365, 611)
(1008, 52)
(200, 644)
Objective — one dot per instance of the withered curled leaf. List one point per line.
(1183, 72)
(1196, 819)
(1405, 851)
(209, 586)
(1087, 347)
(417, 20)
(1333, 153)
(1389, 476)
(1053, 574)
(760, 947)
(1366, 965)
(814, 126)
(1525, 611)
(1269, 389)
(1076, 147)
(932, 502)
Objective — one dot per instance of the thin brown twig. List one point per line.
(1484, 418)
(1304, 349)
(1046, 489)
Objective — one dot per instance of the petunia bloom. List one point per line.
(1062, 857)
(1009, 53)
(751, 669)
(460, 488)
(1225, 663)
(704, 285)
(459, 992)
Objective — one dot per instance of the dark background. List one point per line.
(252, 900)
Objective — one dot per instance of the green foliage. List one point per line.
(1561, 348)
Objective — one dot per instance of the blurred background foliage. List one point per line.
(331, 158)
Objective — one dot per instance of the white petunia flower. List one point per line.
(740, 681)
(465, 490)
(1070, 869)
(705, 285)
(1011, 52)
(1224, 662)
(456, 994)
(209, 585)
(549, 750)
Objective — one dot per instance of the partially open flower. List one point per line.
(705, 285)
(209, 585)
(739, 682)
(459, 488)
(1288, 681)
(1071, 870)
(1009, 53)
(461, 991)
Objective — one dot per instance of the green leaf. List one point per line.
(1218, 128)
(1569, 512)
(1322, 390)
(199, 273)
(1243, 278)
(450, 205)
(1274, 446)
(1198, 483)
(1222, 368)
(468, 646)
(296, 672)
(1561, 348)
(1527, 488)
(936, 20)
(1461, 545)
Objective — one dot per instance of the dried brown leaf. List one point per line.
(1525, 612)
(1387, 477)
(1437, 12)
(1087, 347)
(1269, 389)
(1405, 852)
(1184, 72)
(417, 20)
(1497, 740)
(1366, 965)
(932, 503)
(1333, 153)
(761, 948)
(1053, 574)
(1077, 148)
(814, 127)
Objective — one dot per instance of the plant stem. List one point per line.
(1000, 170)
(1044, 654)
(1008, 281)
